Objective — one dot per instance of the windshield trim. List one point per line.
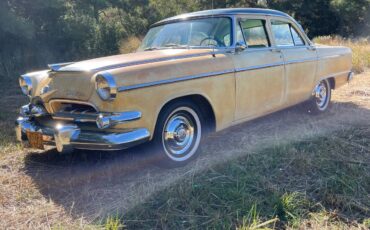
(190, 18)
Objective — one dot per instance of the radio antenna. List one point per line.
(214, 21)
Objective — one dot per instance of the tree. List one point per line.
(316, 16)
(353, 17)
(34, 33)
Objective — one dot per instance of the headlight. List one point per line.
(26, 85)
(106, 87)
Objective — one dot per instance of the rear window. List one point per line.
(285, 34)
(255, 33)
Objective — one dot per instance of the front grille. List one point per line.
(74, 112)
(76, 108)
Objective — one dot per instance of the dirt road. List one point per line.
(43, 189)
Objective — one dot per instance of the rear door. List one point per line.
(300, 59)
(260, 82)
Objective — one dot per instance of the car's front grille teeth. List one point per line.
(76, 112)
(77, 109)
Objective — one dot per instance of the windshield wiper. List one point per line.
(151, 48)
(169, 45)
(174, 45)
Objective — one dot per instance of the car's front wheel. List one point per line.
(320, 100)
(178, 133)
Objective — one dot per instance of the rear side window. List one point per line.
(285, 34)
(297, 39)
(255, 33)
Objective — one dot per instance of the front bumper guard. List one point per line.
(66, 136)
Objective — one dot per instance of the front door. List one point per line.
(260, 80)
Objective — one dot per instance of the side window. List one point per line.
(285, 34)
(282, 34)
(255, 34)
(239, 35)
(298, 41)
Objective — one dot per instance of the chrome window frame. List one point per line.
(255, 17)
(262, 16)
(307, 42)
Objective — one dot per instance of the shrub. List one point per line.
(129, 45)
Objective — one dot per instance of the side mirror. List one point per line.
(240, 47)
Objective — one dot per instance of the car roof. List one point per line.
(230, 11)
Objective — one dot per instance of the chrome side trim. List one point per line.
(167, 81)
(126, 88)
(252, 50)
(211, 74)
(331, 56)
(288, 47)
(191, 77)
(256, 67)
(301, 60)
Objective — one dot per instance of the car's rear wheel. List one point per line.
(178, 133)
(320, 100)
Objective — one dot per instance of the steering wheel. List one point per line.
(212, 41)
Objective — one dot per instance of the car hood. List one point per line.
(123, 60)
(76, 81)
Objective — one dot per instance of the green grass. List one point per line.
(318, 182)
(113, 223)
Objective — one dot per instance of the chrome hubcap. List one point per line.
(321, 94)
(179, 134)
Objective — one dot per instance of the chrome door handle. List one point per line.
(275, 50)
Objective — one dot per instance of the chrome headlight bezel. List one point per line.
(25, 83)
(106, 87)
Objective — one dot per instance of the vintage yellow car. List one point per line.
(193, 74)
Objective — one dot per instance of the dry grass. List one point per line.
(360, 49)
(129, 45)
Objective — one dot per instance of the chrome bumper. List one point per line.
(65, 136)
(350, 76)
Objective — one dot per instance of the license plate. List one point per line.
(35, 140)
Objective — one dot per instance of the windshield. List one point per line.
(207, 32)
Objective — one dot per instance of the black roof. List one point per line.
(230, 11)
